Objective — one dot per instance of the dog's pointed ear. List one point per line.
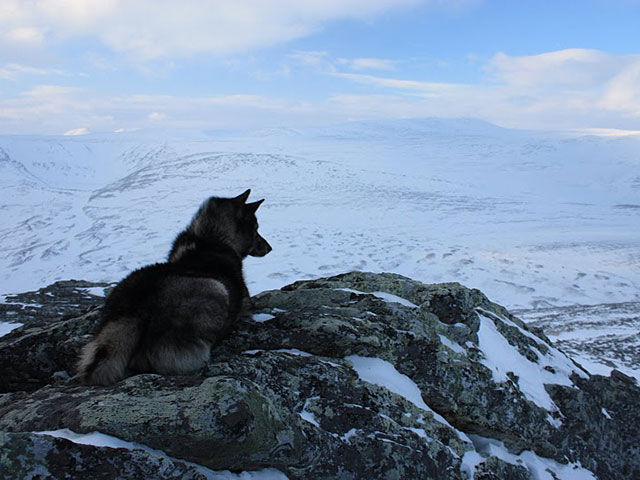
(254, 206)
(243, 196)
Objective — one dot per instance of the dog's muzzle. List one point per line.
(260, 247)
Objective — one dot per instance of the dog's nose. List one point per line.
(265, 248)
(260, 248)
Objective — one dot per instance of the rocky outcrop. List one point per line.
(37, 355)
(355, 376)
(25, 455)
(64, 299)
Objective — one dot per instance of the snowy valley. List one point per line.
(546, 225)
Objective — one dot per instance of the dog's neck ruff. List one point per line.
(189, 242)
(216, 245)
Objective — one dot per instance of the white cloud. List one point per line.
(157, 116)
(48, 109)
(319, 60)
(607, 132)
(149, 29)
(24, 36)
(13, 70)
(368, 63)
(623, 91)
(580, 79)
(52, 109)
(77, 131)
(566, 89)
(395, 83)
(45, 92)
(607, 95)
(572, 67)
(323, 62)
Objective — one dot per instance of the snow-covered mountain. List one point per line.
(533, 220)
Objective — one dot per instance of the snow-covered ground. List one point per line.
(533, 220)
(600, 337)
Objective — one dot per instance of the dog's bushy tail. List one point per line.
(105, 359)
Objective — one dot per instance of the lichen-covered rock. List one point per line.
(495, 469)
(26, 455)
(602, 424)
(306, 416)
(359, 375)
(216, 421)
(442, 353)
(56, 321)
(63, 299)
(38, 354)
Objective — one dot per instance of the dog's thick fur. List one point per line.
(164, 318)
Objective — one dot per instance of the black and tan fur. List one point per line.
(164, 318)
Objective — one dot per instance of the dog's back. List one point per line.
(164, 318)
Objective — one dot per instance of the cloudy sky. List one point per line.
(78, 66)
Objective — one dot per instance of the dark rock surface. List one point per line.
(64, 299)
(355, 376)
(26, 455)
(36, 355)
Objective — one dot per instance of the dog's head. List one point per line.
(259, 246)
(234, 220)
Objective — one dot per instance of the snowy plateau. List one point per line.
(547, 225)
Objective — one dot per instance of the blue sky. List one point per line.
(77, 66)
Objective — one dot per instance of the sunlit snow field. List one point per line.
(531, 219)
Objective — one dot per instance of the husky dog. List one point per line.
(164, 318)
